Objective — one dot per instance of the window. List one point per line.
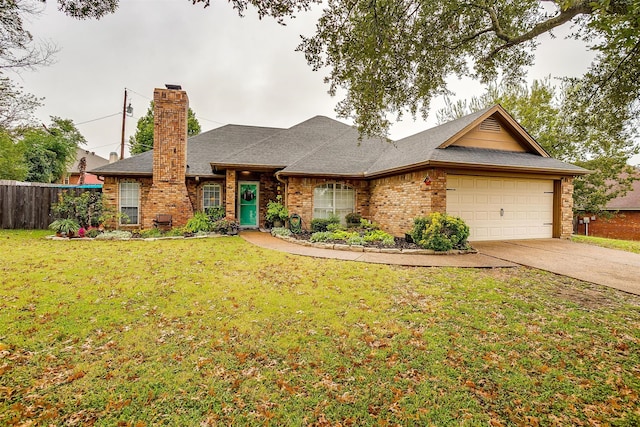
(129, 202)
(210, 196)
(333, 199)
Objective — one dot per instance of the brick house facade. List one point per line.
(321, 166)
(621, 219)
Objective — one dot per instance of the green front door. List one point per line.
(248, 196)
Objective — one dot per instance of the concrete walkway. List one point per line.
(266, 240)
(607, 267)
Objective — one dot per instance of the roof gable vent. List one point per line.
(490, 124)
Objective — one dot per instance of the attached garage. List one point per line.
(499, 208)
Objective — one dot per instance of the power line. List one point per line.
(139, 94)
(209, 120)
(99, 118)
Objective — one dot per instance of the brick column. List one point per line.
(438, 188)
(230, 195)
(566, 207)
(168, 193)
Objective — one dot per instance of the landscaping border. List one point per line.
(360, 248)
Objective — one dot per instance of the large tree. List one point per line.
(602, 143)
(393, 56)
(142, 140)
(48, 151)
(16, 106)
(12, 164)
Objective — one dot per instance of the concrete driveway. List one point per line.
(608, 267)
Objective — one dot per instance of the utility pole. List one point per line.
(124, 118)
(126, 109)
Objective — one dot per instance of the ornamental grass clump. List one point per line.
(440, 232)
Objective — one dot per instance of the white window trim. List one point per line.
(220, 203)
(333, 194)
(120, 202)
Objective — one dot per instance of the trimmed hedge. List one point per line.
(440, 232)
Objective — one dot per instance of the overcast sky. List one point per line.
(235, 70)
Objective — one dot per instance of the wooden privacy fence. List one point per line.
(27, 205)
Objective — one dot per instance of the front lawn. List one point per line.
(623, 245)
(205, 332)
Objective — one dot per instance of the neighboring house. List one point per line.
(91, 161)
(483, 167)
(623, 221)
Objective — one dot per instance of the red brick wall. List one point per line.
(300, 196)
(393, 202)
(230, 195)
(623, 225)
(397, 200)
(111, 191)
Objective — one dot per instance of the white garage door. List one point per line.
(502, 208)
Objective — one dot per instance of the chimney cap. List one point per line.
(173, 86)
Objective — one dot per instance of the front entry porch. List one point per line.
(247, 194)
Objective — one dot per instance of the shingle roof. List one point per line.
(507, 159)
(323, 146)
(201, 150)
(288, 146)
(628, 202)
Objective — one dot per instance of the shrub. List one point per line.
(368, 225)
(216, 213)
(66, 226)
(353, 219)
(344, 235)
(321, 236)
(224, 226)
(176, 231)
(321, 224)
(379, 236)
(87, 208)
(199, 222)
(334, 226)
(276, 211)
(114, 235)
(151, 232)
(318, 225)
(440, 232)
(355, 239)
(92, 232)
(280, 231)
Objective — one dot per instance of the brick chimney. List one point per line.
(168, 193)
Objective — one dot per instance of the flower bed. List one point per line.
(401, 245)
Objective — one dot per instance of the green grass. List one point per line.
(206, 332)
(623, 245)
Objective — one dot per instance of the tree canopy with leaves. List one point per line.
(48, 151)
(142, 140)
(395, 56)
(602, 144)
